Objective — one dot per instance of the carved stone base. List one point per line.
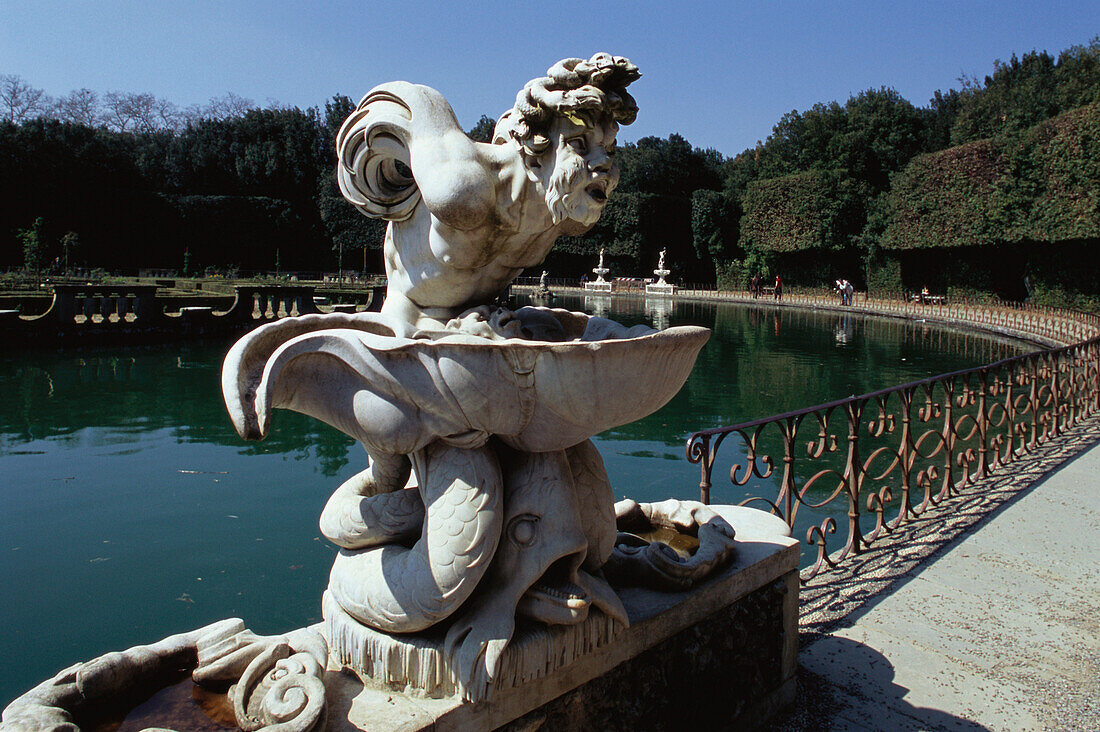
(416, 664)
(661, 289)
(723, 654)
(597, 286)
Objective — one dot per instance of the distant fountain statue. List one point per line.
(599, 284)
(660, 287)
(543, 292)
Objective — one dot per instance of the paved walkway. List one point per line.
(987, 617)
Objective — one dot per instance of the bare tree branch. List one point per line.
(229, 106)
(80, 106)
(19, 101)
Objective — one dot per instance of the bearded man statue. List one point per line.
(490, 210)
(484, 499)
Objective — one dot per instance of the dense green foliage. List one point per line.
(233, 191)
(1040, 185)
(872, 189)
(817, 209)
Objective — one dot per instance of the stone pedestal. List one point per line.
(660, 290)
(722, 655)
(599, 284)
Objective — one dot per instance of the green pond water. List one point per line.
(133, 511)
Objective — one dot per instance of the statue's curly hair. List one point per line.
(589, 89)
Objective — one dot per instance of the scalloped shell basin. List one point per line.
(579, 376)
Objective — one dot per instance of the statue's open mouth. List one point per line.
(598, 191)
(556, 597)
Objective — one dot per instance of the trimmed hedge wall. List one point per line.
(817, 209)
(1042, 185)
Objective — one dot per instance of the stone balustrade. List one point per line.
(94, 313)
(270, 302)
(77, 305)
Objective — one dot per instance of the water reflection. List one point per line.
(844, 330)
(58, 396)
(659, 311)
(598, 305)
(133, 510)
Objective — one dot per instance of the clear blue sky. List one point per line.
(719, 73)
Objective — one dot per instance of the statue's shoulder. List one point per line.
(421, 106)
(403, 145)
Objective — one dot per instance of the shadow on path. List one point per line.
(869, 700)
(840, 596)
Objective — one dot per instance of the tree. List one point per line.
(1018, 94)
(119, 113)
(483, 130)
(81, 107)
(882, 133)
(1077, 75)
(33, 247)
(943, 108)
(349, 230)
(714, 218)
(19, 101)
(141, 112)
(228, 106)
(668, 167)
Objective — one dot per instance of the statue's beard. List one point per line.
(566, 194)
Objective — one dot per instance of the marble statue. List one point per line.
(660, 287)
(489, 210)
(599, 284)
(484, 499)
(481, 547)
(542, 292)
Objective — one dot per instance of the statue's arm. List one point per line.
(453, 177)
(401, 124)
(456, 181)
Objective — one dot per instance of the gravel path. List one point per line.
(984, 616)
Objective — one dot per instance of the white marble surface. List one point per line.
(466, 218)
(767, 554)
(483, 499)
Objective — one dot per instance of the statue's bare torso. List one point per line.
(486, 219)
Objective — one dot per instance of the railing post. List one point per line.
(853, 474)
(983, 423)
(949, 440)
(1056, 396)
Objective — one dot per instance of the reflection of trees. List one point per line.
(55, 396)
(746, 371)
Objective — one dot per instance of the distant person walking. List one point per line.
(778, 287)
(754, 286)
(846, 290)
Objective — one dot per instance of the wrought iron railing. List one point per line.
(875, 462)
